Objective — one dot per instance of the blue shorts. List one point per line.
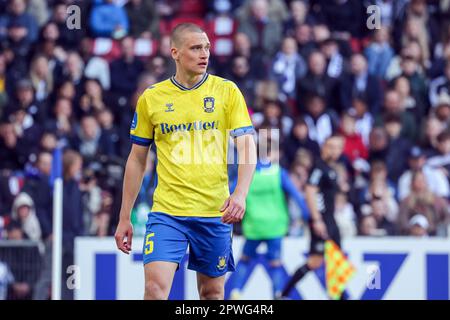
(273, 248)
(209, 239)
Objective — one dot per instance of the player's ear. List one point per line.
(174, 52)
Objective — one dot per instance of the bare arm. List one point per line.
(132, 181)
(234, 206)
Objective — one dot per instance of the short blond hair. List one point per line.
(176, 35)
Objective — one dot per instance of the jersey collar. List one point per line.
(198, 84)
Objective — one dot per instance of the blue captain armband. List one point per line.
(141, 141)
(241, 131)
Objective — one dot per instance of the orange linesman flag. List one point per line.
(338, 270)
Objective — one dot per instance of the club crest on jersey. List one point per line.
(222, 261)
(169, 107)
(208, 104)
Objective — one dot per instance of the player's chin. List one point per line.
(201, 68)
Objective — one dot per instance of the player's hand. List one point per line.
(234, 208)
(320, 229)
(124, 230)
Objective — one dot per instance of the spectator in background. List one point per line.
(96, 67)
(126, 70)
(360, 83)
(354, 147)
(143, 18)
(418, 226)
(368, 227)
(91, 141)
(241, 75)
(39, 10)
(276, 10)
(422, 200)
(164, 52)
(442, 159)
(264, 91)
(17, 15)
(273, 117)
(299, 14)
(442, 111)
(287, 67)
(91, 196)
(379, 53)
(343, 17)
(243, 47)
(264, 32)
(48, 46)
(433, 127)
(299, 139)
(37, 186)
(24, 212)
(440, 85)
(393, 106)
(304, 38)
(378, 209)
(25, 100)
(62, 125)
(41, 77)
(418, 24)
(158, 68)
(316, 81)
(335, 61)
(364, 120)
(300, 168)
(105, 118)
(417, 80)
(435, 179)
(69, 39)
(65, 90)
(108, 19)
(380, 188)
(321, 122)
(398, 145)
(408, 101)
(345, 216)
(167, 9)
(73, 70)
(17, 48)
(92, 100)
(48, 142)
(13, 154)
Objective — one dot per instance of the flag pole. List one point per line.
(57, 223)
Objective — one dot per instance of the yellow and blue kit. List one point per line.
(190, 128)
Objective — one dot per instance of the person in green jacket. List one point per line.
(266, 220)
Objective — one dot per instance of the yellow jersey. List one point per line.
(190, 128)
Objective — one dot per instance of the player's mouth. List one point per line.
(203, 64)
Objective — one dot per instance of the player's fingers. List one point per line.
(225, 205)
(240, 215)
(233, 209)
(129, 239)
(119, 240)
(226, 218)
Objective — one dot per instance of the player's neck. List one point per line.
(188, 80)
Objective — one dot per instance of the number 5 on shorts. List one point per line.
(149, 243)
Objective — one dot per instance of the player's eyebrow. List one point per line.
(199, 46)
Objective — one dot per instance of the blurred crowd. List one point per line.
(309, 68)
